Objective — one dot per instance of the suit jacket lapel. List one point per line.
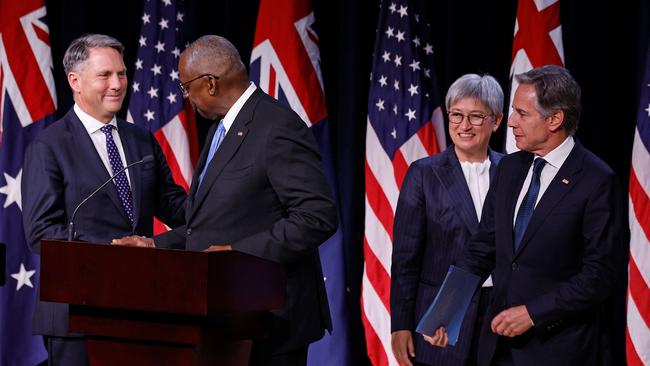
(92, 162)
(569, 172)
(132, 154)
(454, 182)
(229, 146)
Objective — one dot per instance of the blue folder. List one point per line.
(450, 304)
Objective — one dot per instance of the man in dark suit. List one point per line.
(73, 157)
(553, 232)
(258, 188)
(438, 210)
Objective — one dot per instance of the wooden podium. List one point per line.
(143, 306)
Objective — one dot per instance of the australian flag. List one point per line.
(27, 106)
(285, 63)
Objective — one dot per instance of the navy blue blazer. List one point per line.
(568, 262)
(62, 167)
(434, 219)
(265, 193)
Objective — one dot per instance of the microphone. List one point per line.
(71, 232)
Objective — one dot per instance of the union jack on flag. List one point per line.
(156, 102)
(285, 63)
(27, 106)
(537, 42)
(405, 123)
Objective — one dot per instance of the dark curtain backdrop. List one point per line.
(603, 44)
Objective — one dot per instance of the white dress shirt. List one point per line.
(93, 127)
(477, 176)
(229, 118)
(554, 161)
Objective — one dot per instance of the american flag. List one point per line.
(638, 301)
(537, 42)
(27, 106)
(156, 102)
(285, 63)
(405, 123)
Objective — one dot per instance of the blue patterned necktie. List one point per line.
(528, 204)
(216, 141)
(122, 184)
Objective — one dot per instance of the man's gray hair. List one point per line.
(484, 88)
(556, 91)
(218, 50)
(78, 51)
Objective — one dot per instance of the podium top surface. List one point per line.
(159, 280)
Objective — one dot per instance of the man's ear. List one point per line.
(74, 80)
(556, 120)
(213, 86)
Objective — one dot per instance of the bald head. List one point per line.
(215, 55)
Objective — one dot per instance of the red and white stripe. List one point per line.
(638, 301)
(383, 181)
(537, 42)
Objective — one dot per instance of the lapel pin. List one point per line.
(565, 181)
(239, 133)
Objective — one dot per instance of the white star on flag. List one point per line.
(428, 49)
(415, 65)
(389, 32)
(145, 18)
(163, 23)
(23, 277)
(382, 81)
(413, 89)
(160, 47)
(176, 52)
(153, 92)
(149, 115)
(396, 85)
(648, 110)
(380, 105)
(138, 64)
(392, 7)
(172, 98)
(402, 11)
(416, 41)
(143, 41)
(179, 16)
(156, 70)
(398, 61)
(399, 36)
(136, 86)
(12, 190)
(386, 56)
(167, 2)
(410, 114)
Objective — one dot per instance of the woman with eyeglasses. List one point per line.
(438, 210)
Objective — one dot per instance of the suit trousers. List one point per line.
(260, 357)
(65, 351)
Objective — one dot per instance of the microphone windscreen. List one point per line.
(147, 159)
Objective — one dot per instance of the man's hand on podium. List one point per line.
(135, 241)
(218, 248)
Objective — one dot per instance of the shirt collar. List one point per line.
(558, 155)
(229, 118)
(91, 124)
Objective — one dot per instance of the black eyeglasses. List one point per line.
(475, 119)
(184, 85)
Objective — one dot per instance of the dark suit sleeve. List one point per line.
(43, 207)
(295, 175)
(603, 228)
(409, 235)
(170, 203)
(479, 255)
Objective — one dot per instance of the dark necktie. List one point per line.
(122, 184)
(216, 141)
(528, 204)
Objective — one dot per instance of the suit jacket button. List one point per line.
(514, 266)
(188, 232)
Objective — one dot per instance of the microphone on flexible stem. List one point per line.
(71, 233)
